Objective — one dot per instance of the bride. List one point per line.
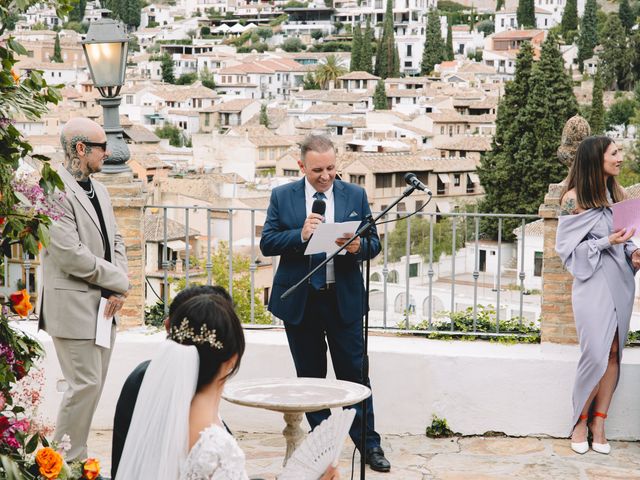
(176, 431)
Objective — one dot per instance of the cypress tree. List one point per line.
(499, 175)
(627, 17)
(449, 55)
(166, 65)
(132, 13)
(526, 14)
(550, 104)
(356, 50)
(588, 38)
(386, 56)
(264, 116)
(434, 48)
(77, 11)
(367, 49)
(57, 51)
(616, 56)
(499, 5)
(635, 61)
(396, 63)
(569, 22)
(596, 119)
(380, 97)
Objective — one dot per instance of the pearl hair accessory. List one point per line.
(186, 332)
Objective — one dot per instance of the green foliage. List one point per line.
(293, 44)
(128, 11)
(499, 5)
(310, 83)
(205, 30)
(596, 117)
(569, 22)
(448, 54)
(515, 331)
(172, 133)
(356, 50)
(134, 45)
(629, 172)
(186, 79)
(434, 48)
(331, 47)
(588, 37)
(294, 4)
(264, 116)
(77, 12)
(10, 21)
(626, 15)
(75, 26)
(274, 22)
(616, 56)
(486, 27)
(367, 48)
(386, 53)
(154, 315)
(439, 428)
(166, 65)
(57, 51)
(620, 113)
(449, 6)
(525, 14)
(380, 97)
(317, 34)
(420, 230)
(39, 26)
(264, 32)
(549, 105)
(206, 77)
(329, 70)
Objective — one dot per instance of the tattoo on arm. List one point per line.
(569, 207)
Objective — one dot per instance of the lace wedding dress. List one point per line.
(215, 456)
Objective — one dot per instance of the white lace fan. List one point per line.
(321, 448)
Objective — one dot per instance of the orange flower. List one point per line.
(39, 246)
(20, 302)
(91, 469)
(16, 77)
(50, 462)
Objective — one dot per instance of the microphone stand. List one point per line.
(364, 232)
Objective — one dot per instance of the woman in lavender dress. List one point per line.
(603, 264)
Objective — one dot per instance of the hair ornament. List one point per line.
(185, 332)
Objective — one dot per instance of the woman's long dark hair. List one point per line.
(218, 315)
(587, 175)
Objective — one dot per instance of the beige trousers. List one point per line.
(84, 367)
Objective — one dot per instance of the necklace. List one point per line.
(91, 193)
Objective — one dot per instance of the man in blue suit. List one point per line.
(329, 309)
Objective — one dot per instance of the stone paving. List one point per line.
(415, 457)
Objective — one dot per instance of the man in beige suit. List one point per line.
(84, 262)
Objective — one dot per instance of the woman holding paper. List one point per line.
(603, 264)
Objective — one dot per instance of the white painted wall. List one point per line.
(477, 386)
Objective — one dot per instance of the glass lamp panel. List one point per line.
(107, 61)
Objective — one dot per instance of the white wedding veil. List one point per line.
(157, 443)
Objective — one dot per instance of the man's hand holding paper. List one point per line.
(328, 237)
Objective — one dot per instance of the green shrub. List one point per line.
(439, 428)
(154, 315)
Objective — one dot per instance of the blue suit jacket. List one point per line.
(282, 236)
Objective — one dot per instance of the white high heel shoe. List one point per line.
(581, 447)
(603, 448)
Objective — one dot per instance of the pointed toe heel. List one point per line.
(581, 447)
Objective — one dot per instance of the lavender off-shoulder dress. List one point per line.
(602, 294)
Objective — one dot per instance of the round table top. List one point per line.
(295, 394)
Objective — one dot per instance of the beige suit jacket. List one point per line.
(74, 268)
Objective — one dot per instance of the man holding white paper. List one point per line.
(329, 309)
(83, 266)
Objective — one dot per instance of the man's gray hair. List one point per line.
(315, 143)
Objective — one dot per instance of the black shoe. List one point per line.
(376, 460)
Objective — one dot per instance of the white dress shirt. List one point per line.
(309, 192)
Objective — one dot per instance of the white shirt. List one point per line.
(329, 215)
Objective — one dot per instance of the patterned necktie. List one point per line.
(318, 279)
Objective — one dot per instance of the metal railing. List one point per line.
(464, 278)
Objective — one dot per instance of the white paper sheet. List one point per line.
(627, 215)
(103, 326)
(324, 238)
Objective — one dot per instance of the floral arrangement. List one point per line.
(27, 208)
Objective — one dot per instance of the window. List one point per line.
(207, 119)
(413, 270)
(357, 179)
(442, 130)
(456, 179)
(409, 50)
(408, 64)
(383, 180)
(537, 264)
(419, 204)
(129, 99)
(400, 179)
(440, 190)
(290, 173)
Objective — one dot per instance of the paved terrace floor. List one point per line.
(415, 457)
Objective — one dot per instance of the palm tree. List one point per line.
(330, 70)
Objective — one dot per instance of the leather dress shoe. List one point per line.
(377, 461)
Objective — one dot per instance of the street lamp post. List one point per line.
(105, 47)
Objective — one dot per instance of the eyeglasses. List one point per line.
(102, 145)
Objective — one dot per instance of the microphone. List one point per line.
(413, 181)
(319, 207)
